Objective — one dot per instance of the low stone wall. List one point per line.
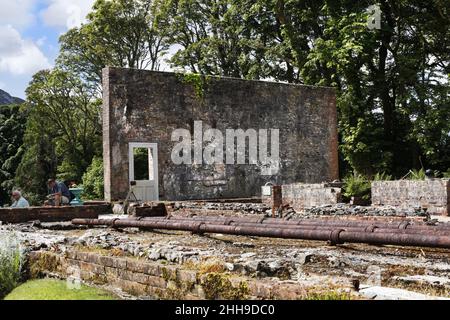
(52, 214)
(159, 281)
(434, 194)
(301, 196)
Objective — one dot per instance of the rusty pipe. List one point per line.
(369, 228)
(334, 236)
(403, 225)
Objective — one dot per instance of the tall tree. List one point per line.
(63, 129)
(119, 33)
(12, 128)
(393, 97)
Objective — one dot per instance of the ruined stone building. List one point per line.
(142, 109)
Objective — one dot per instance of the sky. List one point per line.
(29, 33)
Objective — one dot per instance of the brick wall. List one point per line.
(52, 214)
(158, 281)
(431, 194)
(145, 106)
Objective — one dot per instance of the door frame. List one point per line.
(153, 146)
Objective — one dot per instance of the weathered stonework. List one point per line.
(300, 196)
(52, 214)
(158, 281)
(434, 194)
(145, 106)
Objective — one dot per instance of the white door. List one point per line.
(143, 160)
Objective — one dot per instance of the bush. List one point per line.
(93, 183)
(357, 186)
(10, 264)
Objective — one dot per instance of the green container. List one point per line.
(77, 193)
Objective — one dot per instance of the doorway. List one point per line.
(143, 167)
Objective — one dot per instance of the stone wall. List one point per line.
(146, 106)
(159, 281)
(52, 214)
(434, 195)
(301, 196)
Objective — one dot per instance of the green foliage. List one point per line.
(382, 177)
(197, 81)
(417, 174)
(51, 289)
(118, 33)
(392, 84)
(447, 173)
(357, 186)
(93, 184)
(330, 295)
(63, 130)
(218, 286)
(12, 128)
(10, 264)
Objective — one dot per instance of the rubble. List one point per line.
(343, 209)
(306, 262)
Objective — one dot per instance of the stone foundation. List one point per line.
(158, 281)
(433, 195)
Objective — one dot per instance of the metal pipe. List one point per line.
(403, 225)
(368, 228)
(334, 236)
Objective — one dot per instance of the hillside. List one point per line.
(6, 98)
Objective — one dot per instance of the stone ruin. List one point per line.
(146, 107)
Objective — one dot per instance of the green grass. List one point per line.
(48, 289)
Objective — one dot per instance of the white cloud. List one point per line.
(66, 13)
(19, 56)
(17, 13)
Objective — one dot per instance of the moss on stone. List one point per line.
(328, 295)
(44, 263)
(197, 81)
(218, 286)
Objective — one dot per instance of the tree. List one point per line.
(12, 128)
(118, 33)
(393, 79)
(63, 129)
(392, 84)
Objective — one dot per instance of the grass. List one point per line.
(49, 289)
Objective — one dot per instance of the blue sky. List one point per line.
(29, 32)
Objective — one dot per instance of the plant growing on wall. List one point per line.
(197, 81)
(357, 186)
